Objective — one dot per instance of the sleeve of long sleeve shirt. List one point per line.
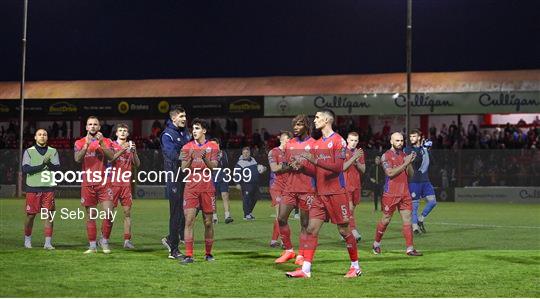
(54, 164)
(26, 168)
(169, 147)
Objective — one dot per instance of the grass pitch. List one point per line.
(470, 250)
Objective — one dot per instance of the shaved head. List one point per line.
(396, 135)
(396, 140)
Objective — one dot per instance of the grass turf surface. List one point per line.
(470, 250)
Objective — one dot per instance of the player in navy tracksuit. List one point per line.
(173, 138)
(249, 183)
(419, 185)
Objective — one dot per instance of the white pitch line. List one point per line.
(484, 225)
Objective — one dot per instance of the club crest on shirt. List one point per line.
(307, 148)
(330, 144)
(208, 149)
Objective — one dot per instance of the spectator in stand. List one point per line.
(256, 139)
(485, 140)
(63, 129)
(386, 129)
(11, 128)
(156, 128)
(472, 134)
(508, 128)
(536, 121)
(106, 129)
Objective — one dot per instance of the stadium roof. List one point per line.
(519, 80)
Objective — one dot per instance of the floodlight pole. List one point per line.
(21, 121)
(409, 64)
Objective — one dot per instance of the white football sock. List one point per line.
(306, 267)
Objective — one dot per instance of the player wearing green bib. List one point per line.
(38, 161)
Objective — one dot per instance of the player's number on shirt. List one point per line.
(344, 211)
(197, 175)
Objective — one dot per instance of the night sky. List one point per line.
(108, 39)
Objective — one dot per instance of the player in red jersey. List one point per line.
(278, 179)
(332, 201)
(299, 189)
(396, 165)
(125, 157)
(93, 151)
(354, 166)
(199, 158)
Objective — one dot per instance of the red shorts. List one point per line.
(354, 196)
(301, 200)
(391, 202)
(122, 194)
(37, 200)
(334, 207)
(276, 196)
(206, 201)
(94, 194)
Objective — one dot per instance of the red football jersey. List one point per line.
(352, 174)
(200, 180)
(398, 185)
(94, 160)
(277, 180)
(328, 151)
(299, 181)
(122, 164)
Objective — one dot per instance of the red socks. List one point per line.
(106, 227)
(91, 230)
(275, 231)
(208, 243)
(208, 246)
(27, 231)
(309, 245)
(127, 236)
(381, 228)
(352, 247)
(303, 237)
(189, 247)
(408, 234)
(48, 231)
(285, 233)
